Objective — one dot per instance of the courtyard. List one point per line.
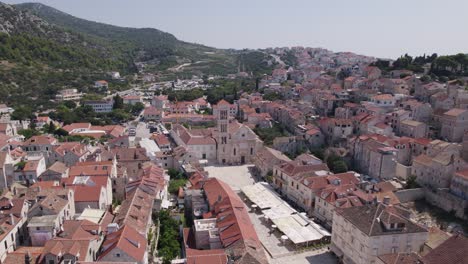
(235, 176)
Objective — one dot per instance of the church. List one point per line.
(229, 143)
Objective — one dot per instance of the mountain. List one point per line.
(143, 44)
(151, 46)
(44, 50)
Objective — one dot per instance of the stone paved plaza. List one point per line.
(235, 176)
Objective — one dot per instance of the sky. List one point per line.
(379, 28)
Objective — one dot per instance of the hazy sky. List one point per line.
(371, 27)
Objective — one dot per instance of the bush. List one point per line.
(174, 185)
(168, 245)
(336, 163)
(269, 134)
(411, 183)
(28, 133)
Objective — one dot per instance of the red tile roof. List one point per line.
(236, 229)
(128, 240)
(452, 251)
(41, 140)
(69, 128)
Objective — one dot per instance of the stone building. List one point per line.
(361, 234)
(236, 143)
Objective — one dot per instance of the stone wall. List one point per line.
(443, 199)
(410, 195)
(402, 171)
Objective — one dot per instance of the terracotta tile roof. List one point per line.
(60, 247)
(42, 119)
(31, 165)
(462, 174)
(132, 97)
(452, 251)
(382, 97)
(103, 168)
(52, 202)
(400, 258)
(236, 229)
(69, 128)
(136, 209)
(223, 102)
(58, 167)
(128, 240)
(296, 170)
(4, 127)
(196, 180)
(19, 255)
(455, 112)
(436, 237)
(371, 219)
(12, 206)
(422, 141)
(75, 147)
(393, 198)
(130, 154)
(151, 110)
(381, 125)
(189, 138)
(161, 139)
(111, 130)
(41, 140)
(79, 229)
(87, 193)
(161, 97)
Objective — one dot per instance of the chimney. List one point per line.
(386, 200)
(12, 219)
(27, 258)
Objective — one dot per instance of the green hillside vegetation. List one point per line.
(441, 67)
(44, 50)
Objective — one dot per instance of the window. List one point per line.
(223, 128)
(117, 255)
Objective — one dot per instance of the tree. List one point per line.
(51, 128)
(70, 104)
(336, 163)
(22, 113)
(138, 107)
(28, 133)
(61, 132)
(118, 102)
(411, 183)
(343, 74)
(120, 115)
(168, 246)
(175, 174)
(175, 184)
(339, 166)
